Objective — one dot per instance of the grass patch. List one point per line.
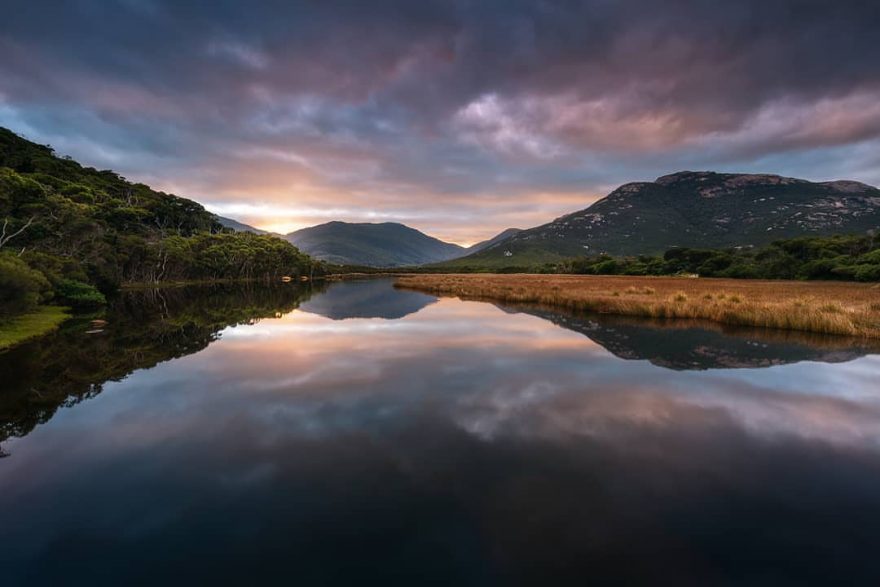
(824, 307)
(640, 291)
(41, 321)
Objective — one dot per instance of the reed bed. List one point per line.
(825, 307)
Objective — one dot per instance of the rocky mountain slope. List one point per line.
(694, 209)
(498, 238)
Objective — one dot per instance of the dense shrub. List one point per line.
(868, 272)
(78, 294)
(840, 257)
(21, 288)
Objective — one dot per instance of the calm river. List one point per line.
(361, 435)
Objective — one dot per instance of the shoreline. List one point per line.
(162, 284)
(26, 327)
(839, 308)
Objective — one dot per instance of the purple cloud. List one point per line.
(459, 117)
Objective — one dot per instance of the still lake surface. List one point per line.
(359, 434)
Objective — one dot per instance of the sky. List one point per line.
(458, 117)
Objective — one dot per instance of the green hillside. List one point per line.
(691, 209)
(74, 234)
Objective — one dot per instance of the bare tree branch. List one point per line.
(5, 239)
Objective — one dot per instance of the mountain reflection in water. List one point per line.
(458, 444)
(691, 345)
(366, 298)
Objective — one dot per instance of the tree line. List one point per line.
(74, 234)
(848, 258)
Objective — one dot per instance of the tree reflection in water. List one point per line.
(144, 327)
(148, 326)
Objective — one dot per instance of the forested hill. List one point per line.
(65, 227)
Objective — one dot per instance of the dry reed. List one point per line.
(825, 307)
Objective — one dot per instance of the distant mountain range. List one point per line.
(387, 244)
(239, 226)
(692, 209)
(367, 298)
(686, 209)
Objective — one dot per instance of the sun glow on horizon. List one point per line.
(285, 219)
(279, 227)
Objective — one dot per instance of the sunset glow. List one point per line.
(459, 119)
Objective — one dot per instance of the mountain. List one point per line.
(239, 226)
(368, 298)
(693, 209)
(502, 236)
(685, 345)
(388, 244)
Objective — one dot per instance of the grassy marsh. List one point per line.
(850, 309)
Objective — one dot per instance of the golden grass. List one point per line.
(826, 307)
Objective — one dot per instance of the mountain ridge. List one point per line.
(385, 244)
(698, 209)
(239, 226)
(328, 242)
(491, 242)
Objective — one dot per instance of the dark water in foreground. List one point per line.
(364, 435)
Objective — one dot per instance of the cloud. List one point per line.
(469, 109)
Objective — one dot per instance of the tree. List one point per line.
(5, 238)
(21, 288)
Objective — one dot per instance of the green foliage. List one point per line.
(21, 288)
(225, 255)
(867, 272)
(78, 294)
(87, 232)
(32, 324)
(855, 258)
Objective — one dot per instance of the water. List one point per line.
(362, 435)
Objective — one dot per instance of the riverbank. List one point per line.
(362, 276)
(134, 285)
(851, 309)
(25, 327)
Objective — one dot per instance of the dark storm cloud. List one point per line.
(441, 112)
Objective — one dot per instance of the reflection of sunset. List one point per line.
(525, 372)
(524, 432)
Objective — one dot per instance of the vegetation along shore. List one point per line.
(72, 236)
(827, 307)
(23, 327)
